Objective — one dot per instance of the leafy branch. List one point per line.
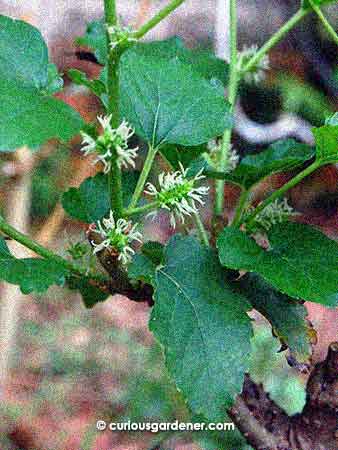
(281, 191)
(40, 250)
(236, 73)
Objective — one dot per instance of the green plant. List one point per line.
(172, 98)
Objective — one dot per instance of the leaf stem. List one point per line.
(141, 209)
(233, 87)
(242, 202)
(291, 23)
(201, 229)
(281, 191)
(25, 240)
(143, 176)
(324, 21)
(174, 4)
(113, 58)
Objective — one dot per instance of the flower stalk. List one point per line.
(250, 220)
(42, 251)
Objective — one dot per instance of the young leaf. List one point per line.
(95, 38)
(96, 86)
(29, 115)
(143, 266)
(287, 316)
(142, 269)
(91, 295)
(154, 251)
(326, 138)
(167, 102)
(176, 154)
(302, 262)
(31, 274)
(89, 202)
(202, 325)
(282, 155)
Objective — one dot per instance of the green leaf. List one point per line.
(202, 325)
(96, 86)
(95, 38)
(142, 269)
(287, 316)
(91, 295)
(90, 202)
(302, 262)
(55, 82)
(154, 251)
(143, 266)
(167, 102)
(129, 182)
(201, 61)
(178, 153)
(282, 155)
(326, 138)
(29, 115)
(31, 274)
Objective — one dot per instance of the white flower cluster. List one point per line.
(257, 73)
(277, 212)
(232, 156)
(117, 235)
(178, 194)
(113, 142)
(119, 35)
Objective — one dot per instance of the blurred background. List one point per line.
(63, 367)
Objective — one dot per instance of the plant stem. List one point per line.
(43, 251)
(157, 18)
(243, 199)
(291, 23)
(110, 12)
(201, 230)
(113, 58)
(143, 176)
(281, 191)
(233, 86)
(141, 209)
(324, 21)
